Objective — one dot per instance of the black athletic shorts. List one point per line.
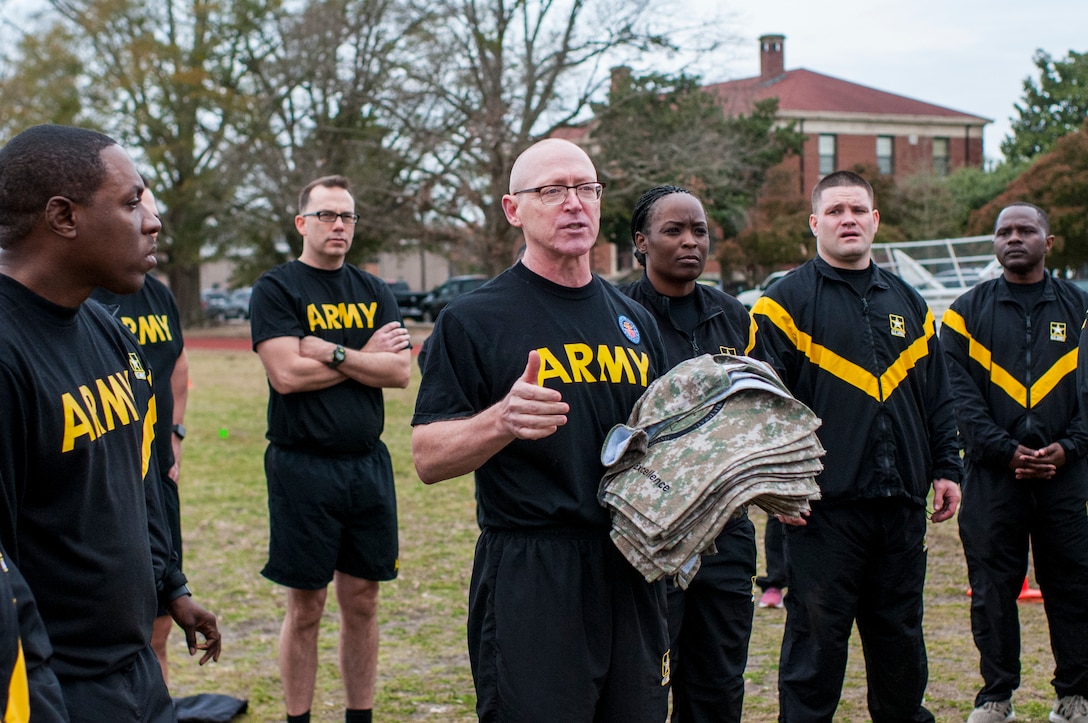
(562, 628)
(330, 513)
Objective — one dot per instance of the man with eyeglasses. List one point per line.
(330, 338)
(523, 378)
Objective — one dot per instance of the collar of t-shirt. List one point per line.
(858, 278)
(1026, 295)
(684, 313)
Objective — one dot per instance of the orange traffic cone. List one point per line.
(1027, 593)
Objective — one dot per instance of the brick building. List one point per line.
(846, 124)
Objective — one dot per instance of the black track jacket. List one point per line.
(870, 367)
(724, 324)
(1014, 371)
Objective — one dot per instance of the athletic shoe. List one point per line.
(992, 711)
(772, 598)
(1070, 709)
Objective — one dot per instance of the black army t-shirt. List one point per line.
(151, 314)
(344, 306)
(597, 347)
(79, 509)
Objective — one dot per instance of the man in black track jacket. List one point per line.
(858, 346)
(1011, 348)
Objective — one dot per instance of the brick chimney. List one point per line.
(772, 60)
(621, 78)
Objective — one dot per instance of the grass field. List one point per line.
(423, 669)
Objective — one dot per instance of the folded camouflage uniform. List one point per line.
(713, 434)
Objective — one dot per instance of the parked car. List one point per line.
(221, 305)
(711, 280)
(238, 303)
(751, 296)
(214, 303)
(410, 302)
(446, 292)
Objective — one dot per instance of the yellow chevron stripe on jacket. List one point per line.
(18, 709)
(752, 330)
(842, 368)
(1002, 378)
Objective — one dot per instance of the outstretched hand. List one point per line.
(530, 411)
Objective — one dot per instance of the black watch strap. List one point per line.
(179, 430)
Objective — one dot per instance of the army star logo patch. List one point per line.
(898, 325)
(137, 367)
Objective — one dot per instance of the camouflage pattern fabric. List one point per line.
(712, 435)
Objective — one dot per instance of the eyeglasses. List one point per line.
(555, 195)
(331, 216)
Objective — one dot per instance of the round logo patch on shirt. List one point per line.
(629, 329)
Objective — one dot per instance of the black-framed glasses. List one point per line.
(331, 216)
(556, 194)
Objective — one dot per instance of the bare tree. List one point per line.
(324, 87)
(235, 104)
(167, 79)
(493, 76)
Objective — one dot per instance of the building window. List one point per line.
(827, 146)
(885, 158)
(940, 156)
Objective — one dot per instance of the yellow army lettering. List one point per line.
(93, 415)
(584, 366)
(341, 316)
(152, 329)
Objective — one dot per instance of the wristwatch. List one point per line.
(179, 430)
(338, 356)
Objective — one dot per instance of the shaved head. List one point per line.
(558, 236)
(529, 165)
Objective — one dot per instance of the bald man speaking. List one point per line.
(523, 379)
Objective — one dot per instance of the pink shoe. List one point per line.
(771, 598)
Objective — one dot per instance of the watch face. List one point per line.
(179, 429)
(338, 355)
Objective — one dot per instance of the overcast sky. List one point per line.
(968, 55)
